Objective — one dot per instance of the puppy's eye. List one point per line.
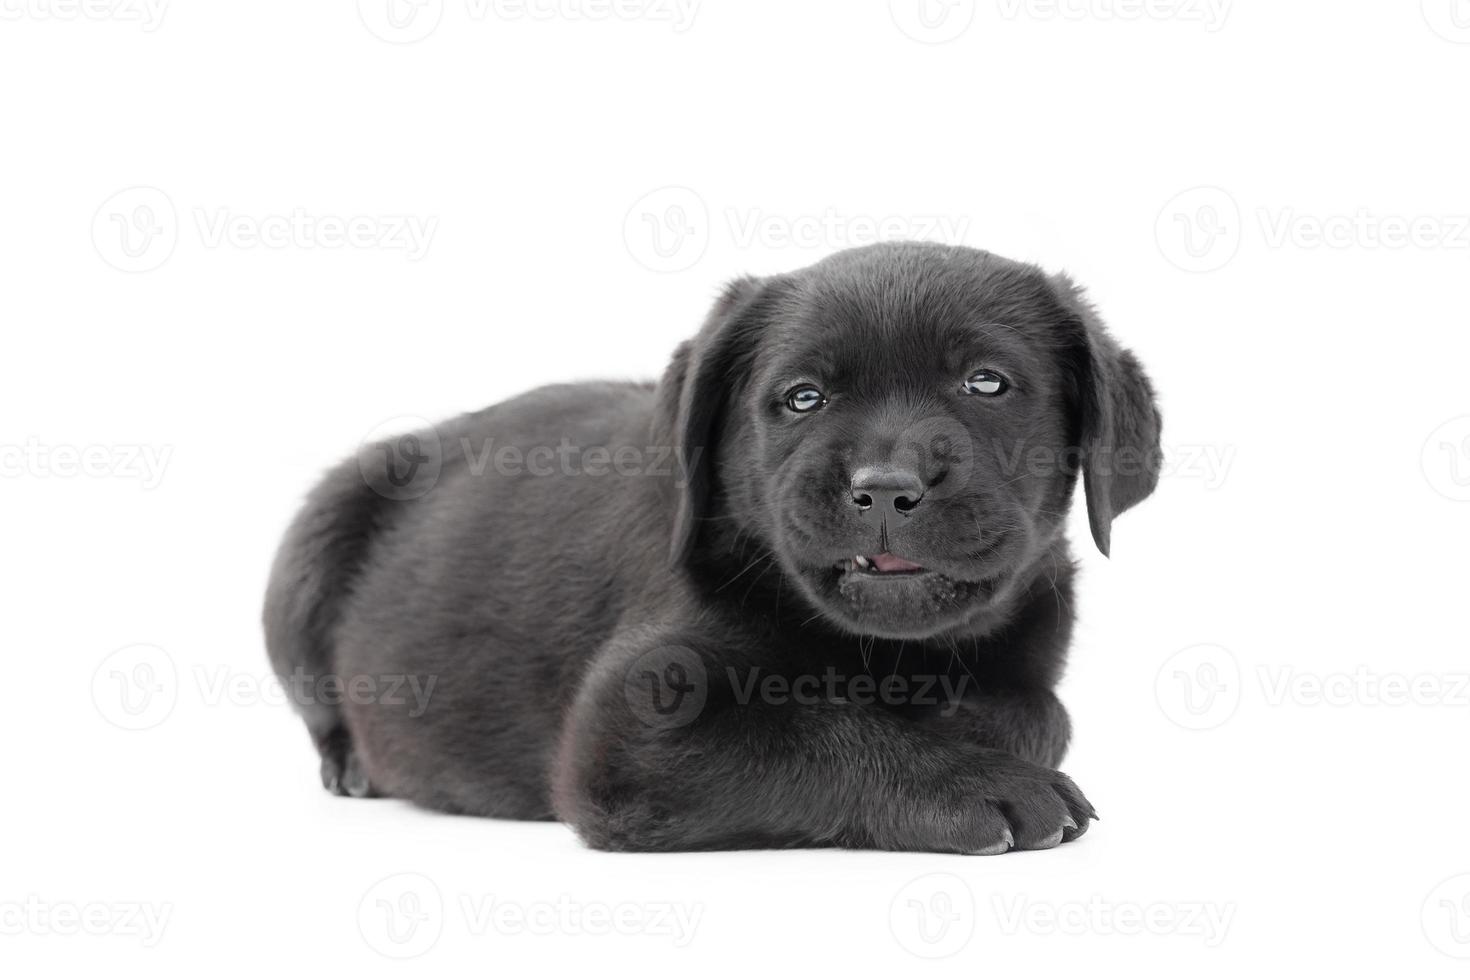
(985, 383)
(805, 398)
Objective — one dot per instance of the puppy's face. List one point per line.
(902, 429)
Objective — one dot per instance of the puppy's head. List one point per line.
(897, 430)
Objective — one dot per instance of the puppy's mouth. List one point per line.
(890, 595)
(892, 574)
(885, 564)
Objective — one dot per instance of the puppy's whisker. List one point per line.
(754, 561)
(758, 576)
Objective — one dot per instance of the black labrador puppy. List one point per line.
(810, 589)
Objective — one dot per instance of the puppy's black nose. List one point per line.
(878, 491)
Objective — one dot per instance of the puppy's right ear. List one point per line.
(692, 398)
(1120, 424)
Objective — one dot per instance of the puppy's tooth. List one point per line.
(860, 561)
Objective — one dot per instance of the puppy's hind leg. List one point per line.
(321, 556)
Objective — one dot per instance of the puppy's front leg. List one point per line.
(1031, 725)
(667, 747)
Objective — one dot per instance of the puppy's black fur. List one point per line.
(686, 649)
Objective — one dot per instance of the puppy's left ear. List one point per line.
(1119, 424)
(693, 396)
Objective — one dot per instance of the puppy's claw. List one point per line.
(354, 779)
(1071, 831)
(1006, 842)
(1049, 841)
(331, 777)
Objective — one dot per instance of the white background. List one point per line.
(1269, 680)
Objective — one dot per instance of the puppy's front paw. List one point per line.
(343, 773)
(1024, 807)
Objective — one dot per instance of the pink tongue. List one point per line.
(892, 563)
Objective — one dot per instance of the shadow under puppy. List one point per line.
(811, 589)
